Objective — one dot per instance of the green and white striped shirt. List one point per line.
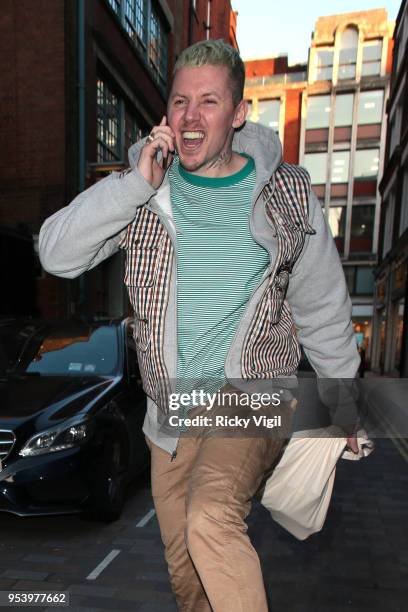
(218, 266)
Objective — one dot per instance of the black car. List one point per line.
(71, 415)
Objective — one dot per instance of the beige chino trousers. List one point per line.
(202, 499)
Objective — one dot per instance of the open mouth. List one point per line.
(192, 140)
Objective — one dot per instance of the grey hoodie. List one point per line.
(81, 235)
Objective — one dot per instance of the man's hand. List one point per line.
(352, 443)
(161, 139)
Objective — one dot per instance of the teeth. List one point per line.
(193, 135)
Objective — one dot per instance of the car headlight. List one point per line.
(57, 439)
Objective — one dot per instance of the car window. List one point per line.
(73, 350)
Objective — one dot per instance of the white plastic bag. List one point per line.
(299, 490)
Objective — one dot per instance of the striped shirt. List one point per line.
(219, 265)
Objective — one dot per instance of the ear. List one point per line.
(241, 112)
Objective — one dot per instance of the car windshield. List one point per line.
(65, 350)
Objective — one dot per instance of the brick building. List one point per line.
(274, 91)
(390, 323)
(81, 81)
(205, 19)
(331, 119)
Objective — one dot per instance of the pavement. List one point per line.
(358, 562)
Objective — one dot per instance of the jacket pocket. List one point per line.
(141, 264)
(142, 334)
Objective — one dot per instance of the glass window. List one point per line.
(318, 112)
(324, 65)
(337, 223)
(343, 115)
(404, 201)
(108, 122)
(370, 106)
(158, 46)
(133, 131)
(135, 20)
(350, 273)
(362, 226)
(74, 352)
(366, 163)
(316, 164)
(372, 51)
(147, 30)
(348, 54)
(388, 207)
(115, 4)
(268, 113)
(364, 281)
(340, 166)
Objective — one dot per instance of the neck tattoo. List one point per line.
(222, 160)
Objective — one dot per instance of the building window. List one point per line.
(133, 130)
(389, 206)
(366, 164)
(337, 223)
(362, 227)
(404, 204)
(117, 126)
(115, 4)
(268, 113)
(364, 281)
(108, 124)
(147, 30)
(316, 165)
(402, 36)
(370, 106)
(318, 112)
(158, 46)
(340, 166)
(135, 21)
(349, 273)
(372, 51)
(323, 65)
(348, 54)
(343, 115)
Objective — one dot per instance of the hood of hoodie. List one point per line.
(258, 141)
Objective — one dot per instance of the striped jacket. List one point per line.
(271, 348)
(302, 297)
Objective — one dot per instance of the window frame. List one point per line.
(316, 67)
(139, 32)
(125, 137)
(368, 62)
(347, 63)
(104, 120)
(368, 177)
(360, 111)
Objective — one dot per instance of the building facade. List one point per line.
(335, 116)
(274, 92)
(390, 338)
(81, 81)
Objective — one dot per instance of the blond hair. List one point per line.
(216, 53)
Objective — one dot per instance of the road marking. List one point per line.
(146, 518)
(103, 564)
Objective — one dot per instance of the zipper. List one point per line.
(164, 220)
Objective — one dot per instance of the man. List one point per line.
(225, 251)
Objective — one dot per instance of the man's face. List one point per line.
(202, 115)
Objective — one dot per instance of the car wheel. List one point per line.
(107, 481)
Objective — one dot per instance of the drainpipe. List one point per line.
(190, 22)
(81, 118)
